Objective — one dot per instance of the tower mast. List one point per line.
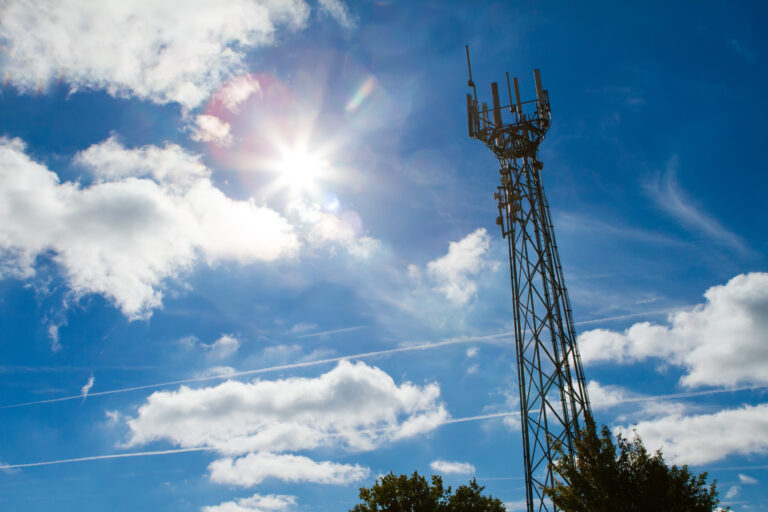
(553, 394)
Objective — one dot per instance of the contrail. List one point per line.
(631, 315)
(317, 362)
(334, 331)
(303, 364)
(203, 449)
(687, 394)
(734, 468)
(103, 457)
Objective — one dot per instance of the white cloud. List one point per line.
(324, 228)
(514, 506)
(256, 503)
(254, 468)
(747, 480)
(53, 333)
(149, 215)
(224, 347)
(733, 491)
(473, 351)
(704, 438)
(454, 272)
(87, 387)
(212, 129)
(607, 396)
(723, 342)
(302, 327)
(353, 405)
(452, 468)
(152, 49)
(339, 11)
(604, 397)
(112, 417)
(236, 91)
(217, 371)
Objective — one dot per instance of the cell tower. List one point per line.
(553, 395)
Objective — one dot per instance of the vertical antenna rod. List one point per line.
(553, 393)
(470, 83)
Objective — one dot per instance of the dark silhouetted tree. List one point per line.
(603, 476)
(400, 493)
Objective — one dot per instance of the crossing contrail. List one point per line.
(317, 362)
(334, 331)
(204, 449)
(103, 457)
(289, 366)
(449, 421)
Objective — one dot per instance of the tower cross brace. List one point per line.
(553, 394)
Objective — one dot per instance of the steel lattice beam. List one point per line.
(553, 395)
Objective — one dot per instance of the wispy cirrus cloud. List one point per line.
(667, 194)
(339, 11)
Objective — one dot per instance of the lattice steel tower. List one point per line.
(553, 395)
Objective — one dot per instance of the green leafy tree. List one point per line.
(401, 493)
(603, 476)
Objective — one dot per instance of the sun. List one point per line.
(299, 170)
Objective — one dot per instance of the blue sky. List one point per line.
(248, 253)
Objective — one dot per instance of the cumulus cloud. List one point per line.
(723, 342)
(354, 406)
(149, 215)
(604, 397)
(704, 438)
(210, 128)
(152, 49)
(733, 491)
(256, 503)
(235, 92)
(253, 468)
(224, 347)
(452, 468)
(453, 275)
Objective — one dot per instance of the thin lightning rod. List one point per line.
(470, 83)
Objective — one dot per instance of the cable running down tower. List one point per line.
(553, 395)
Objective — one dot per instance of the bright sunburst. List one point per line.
(299, 170)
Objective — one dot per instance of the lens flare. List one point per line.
(361, 94)
(299, 170)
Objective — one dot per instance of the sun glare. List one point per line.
(300, 171)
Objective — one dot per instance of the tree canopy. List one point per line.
(603, 476)
(401, 493)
